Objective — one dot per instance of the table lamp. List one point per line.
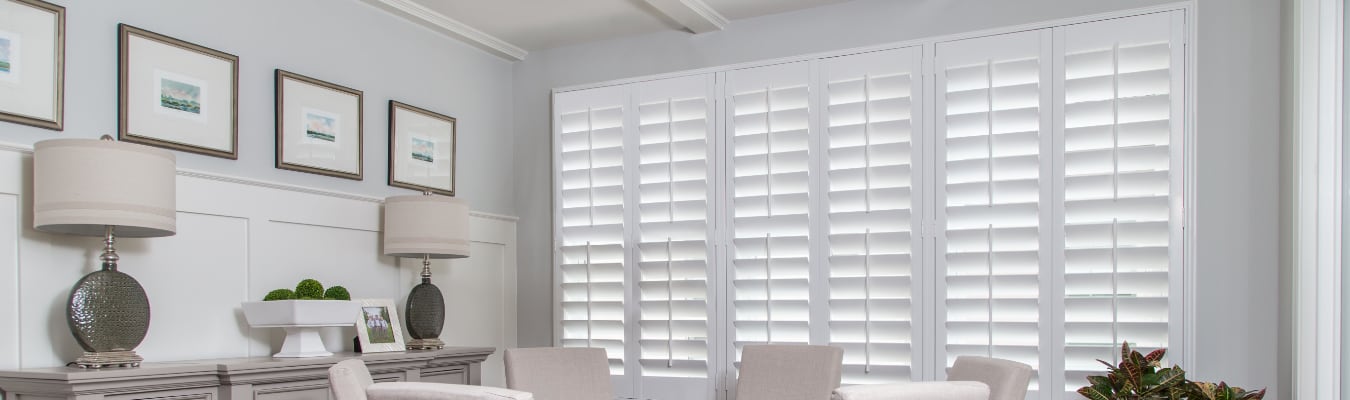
(426, 226)
(105, 188)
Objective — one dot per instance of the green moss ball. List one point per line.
(337, 293)
(309, 289)
(280, 294)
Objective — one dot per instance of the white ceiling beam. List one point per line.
(451, 27)
(695, 15)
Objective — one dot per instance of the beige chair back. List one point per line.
(552, 373)
(789, 372)
(349, 379)
(1007, 380)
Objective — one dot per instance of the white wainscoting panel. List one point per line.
(9, 280)
(238, 239)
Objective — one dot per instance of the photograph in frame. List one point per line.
(32, 63)
(177, 95)
(378, 328)
(422, 149)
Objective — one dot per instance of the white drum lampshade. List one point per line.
(81, 186)
(418, 226)
(426, 226)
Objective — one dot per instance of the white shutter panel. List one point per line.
(993, 133)
(873, 210)
(768, 147)
(1122, 133)
(675, 135)
(590, 219)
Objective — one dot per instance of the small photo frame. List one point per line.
(378, 327)
(421, 149)
(319, 126)
(177, 95)
(32, 63)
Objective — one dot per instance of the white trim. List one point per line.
(1317, 200)
(1182, 5)
(410, 10)
(28, 150)
(694, 15)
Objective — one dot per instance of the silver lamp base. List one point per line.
(103, 359)
(426, 344)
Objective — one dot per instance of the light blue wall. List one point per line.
(341, 41)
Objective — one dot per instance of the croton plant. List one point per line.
(1142, 377)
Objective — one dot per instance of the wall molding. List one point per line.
(441, 23)
(28, 150)
(694, 15)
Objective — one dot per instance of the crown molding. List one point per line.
(694, 15)
(412, 11)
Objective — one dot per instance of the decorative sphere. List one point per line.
(337, 293)
(279, 294)
(309, 289)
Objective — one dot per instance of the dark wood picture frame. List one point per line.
(281, 76)
(124, 33)
(57, 123)
(454, 147)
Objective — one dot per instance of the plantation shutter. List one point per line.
(769, 201)
(873, 207)
(675, 214)
(1122, 95)
(591, 220)
(993, 198)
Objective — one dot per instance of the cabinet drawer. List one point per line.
(182, 394)
(458, 375)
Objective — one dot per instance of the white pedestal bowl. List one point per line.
(301, 319)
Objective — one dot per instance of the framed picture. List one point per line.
(421, 149)
(378, 327)
(32, 63)
(319, 126)
(177, 95)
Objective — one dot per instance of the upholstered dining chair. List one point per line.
(789, 372)
(970, 378)
(555, 373)
(350, 380)
(1007, 379)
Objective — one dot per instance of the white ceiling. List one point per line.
(541, 24)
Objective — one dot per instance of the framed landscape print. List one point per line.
(177, 95)
(319, 126)
(421, 149)
(378, 327)
(32, 63)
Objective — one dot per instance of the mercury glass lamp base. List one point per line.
(108, 359)
(426, 344)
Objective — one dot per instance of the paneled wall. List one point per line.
(238, 239)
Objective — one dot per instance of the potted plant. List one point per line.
(1142, 377)
(301, 312)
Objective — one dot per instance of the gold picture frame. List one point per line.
(169, 94)
(422, 149)
(319, 127)
(34, 88)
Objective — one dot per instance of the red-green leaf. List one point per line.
(1156, 355)
(1134, 373)
(1093, 394)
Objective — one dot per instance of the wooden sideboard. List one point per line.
(258, 378)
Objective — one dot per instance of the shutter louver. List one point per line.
(990, 204)
(1118, 185)
(872, 211)
(591, 182)
(769, 184)
(674, 133)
